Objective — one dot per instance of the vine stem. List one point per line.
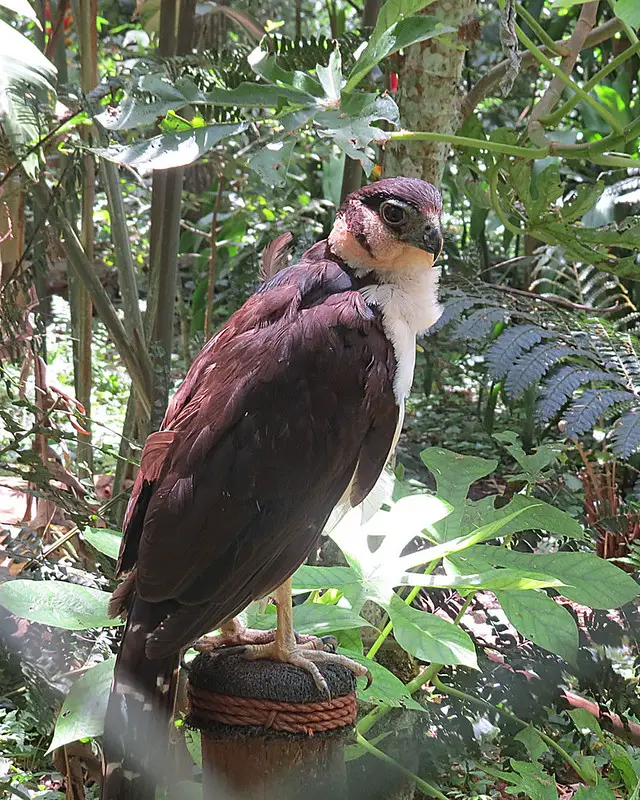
(425, 787)
(497, 207)
(559, 48)
(591, 151)
(566, 80)
(565, 108)
(477, 701)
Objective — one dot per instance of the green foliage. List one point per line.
(82, 713)
(587, 371)
(65, 605)
(27, 81)
(103, 540)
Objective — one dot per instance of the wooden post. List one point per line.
(267, 732)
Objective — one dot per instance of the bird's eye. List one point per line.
(392, 213)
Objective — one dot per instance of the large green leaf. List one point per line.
(63, 605)
(428, 637)
(307, 578)
(386, 688)
(454, 473)
(536, 515)
(272, 162)
(317, 619)
(104, 540)
(628, 11)
(27, 80)
(170, 149)
(83, 711)
(493, 580)
(22, 7)
(159, 96)
(481, 534)
(588, 579)
(537, 617)
(320, 619)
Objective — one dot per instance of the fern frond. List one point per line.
(561, 386)
(510, 345)
(306, 53)
(626, 434)
(592, 404)
(533, 365)
(453, 308)
(478, 324)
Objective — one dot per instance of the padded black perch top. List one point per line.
(230, 696)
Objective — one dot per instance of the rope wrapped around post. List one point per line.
(267, 731)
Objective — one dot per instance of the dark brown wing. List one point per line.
(290, 401)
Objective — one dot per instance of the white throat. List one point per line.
(408, 301)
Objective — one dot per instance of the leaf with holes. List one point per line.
(63, 605)
(350, 124)
(538, 618)
(272, 162)
(170, 149)
(83, 711)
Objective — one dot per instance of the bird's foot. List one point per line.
(306, 655)
(233, 636)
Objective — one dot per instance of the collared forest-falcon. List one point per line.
(290, 411)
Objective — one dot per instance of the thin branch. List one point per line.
(555, 301)
(213, 253)
(489, 82)
(549, 100)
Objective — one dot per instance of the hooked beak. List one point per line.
(432, 240)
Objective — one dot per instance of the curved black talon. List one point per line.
(330, 644)
(369, 680)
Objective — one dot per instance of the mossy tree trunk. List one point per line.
(430, 92)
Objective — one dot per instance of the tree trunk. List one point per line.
(429, 93)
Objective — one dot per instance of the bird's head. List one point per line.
(392, 225)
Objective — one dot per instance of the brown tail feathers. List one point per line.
(140, 712)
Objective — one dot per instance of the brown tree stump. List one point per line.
(267, 732)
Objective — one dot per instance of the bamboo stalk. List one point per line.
(137, 362)
(166, 208)
(211, 284)
(85, 15)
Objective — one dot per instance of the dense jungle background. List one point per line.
(149, 152)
